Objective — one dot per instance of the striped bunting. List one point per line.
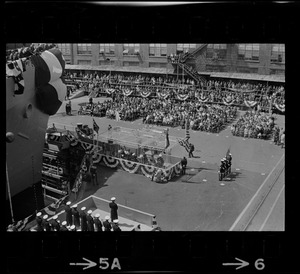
(51, 89)
(250, 103)
(185, 144)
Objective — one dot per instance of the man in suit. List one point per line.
(68, 214)
(76, 217)
(94, 175)
(97, 222)
(183, 165)
(83, 222)
(115, 225)
(90, 221)
(192, 148)
(54, 224)
(106, 224)
(113, 209)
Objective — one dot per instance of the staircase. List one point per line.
(192, 72)
(193, 54)
(189, 70)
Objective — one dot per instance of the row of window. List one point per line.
(246, 52)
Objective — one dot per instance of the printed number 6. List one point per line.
(259, 265)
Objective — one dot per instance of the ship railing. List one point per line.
(65, 127)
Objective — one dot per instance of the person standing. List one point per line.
(94, 175)
(64, 226)
(192, 148)
(97, 222)
(90, 221)
(106, 224)
(115, 225)
(183, 165)
(83, 216)
(113, 209)
(76, 217)
(54, 224)
(38, 218)
(282, 139)
(68, 214)
(45, 223)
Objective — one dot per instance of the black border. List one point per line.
(225, 22)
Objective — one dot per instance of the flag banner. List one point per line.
(110, 90)
(127, 92)
(202, 98)
(185, 143)
(228, 151)
(51, 89)
(163, 94)
(182, 97)
(95, 126)
(250, 103)
(145, 93)
(280, 107)
(228, 101)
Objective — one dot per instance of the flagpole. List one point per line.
(9, 195)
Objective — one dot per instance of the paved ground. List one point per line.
(196, 201)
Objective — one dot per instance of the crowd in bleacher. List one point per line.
(235, 92)
(165, 112)
(254, 125)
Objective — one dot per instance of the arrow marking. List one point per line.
(240, 264)
(88, 264)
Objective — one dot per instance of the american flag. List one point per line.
(185, 143)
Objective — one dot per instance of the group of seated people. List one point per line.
(254, 124)
(214, 90)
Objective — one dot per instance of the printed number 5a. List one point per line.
(103, 262)
(259, 264)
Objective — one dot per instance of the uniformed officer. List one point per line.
(183, 165)
(64, 226)
(222, 170)
(45, 223)
(73, 228)
(54, 224)
(75, 214)
(90, 221)
(229, 159)
(115, 225)
(97, 222)
(83, 216)
(113, 209)
(68, 211)
(38, 218)
(225, 166)
(106, 224)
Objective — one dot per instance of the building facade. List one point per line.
(264, 59)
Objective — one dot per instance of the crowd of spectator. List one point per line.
(254, 124)
(165, 112)
(214, 90)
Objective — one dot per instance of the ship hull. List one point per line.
(28, 124)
